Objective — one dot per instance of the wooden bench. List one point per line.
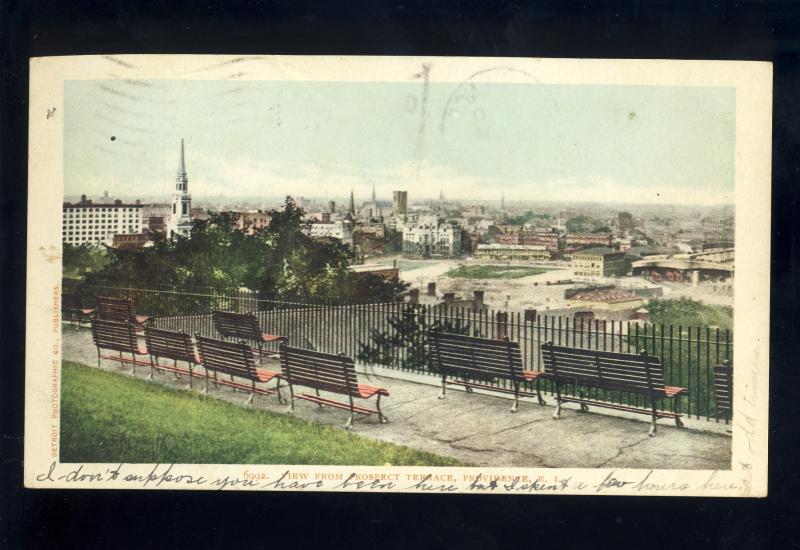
(236, 360)
(72, 304)
(119, 337)
(242, 326)
(479, 361)
(119, 309)
(329, 373)
(177, 346)
(641, 374)
(723, 389)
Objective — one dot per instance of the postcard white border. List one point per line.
(753, 84)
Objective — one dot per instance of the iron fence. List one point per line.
(394, 334)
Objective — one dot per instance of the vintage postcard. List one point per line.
(433, 275)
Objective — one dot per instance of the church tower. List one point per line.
(180, 219)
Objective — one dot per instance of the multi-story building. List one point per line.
(583, 240)
(400, 202)
(250, 222)
(538, 238)
(94, 224)
(431, 236)
(598, 262)
(512, 252)
(369, 239)
(338, 230)
(507, 238)
(133, 241)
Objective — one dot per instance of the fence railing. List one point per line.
(394, 335)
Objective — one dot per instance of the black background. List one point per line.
(140, 519)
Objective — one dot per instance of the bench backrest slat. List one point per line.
(114, 309)
(233, 358)
(723, 388)
(114, 335)
(230, 324)
(169, 344)
(325, 371)
(460, 355)
(613, 370)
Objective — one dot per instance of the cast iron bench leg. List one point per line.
(678, 421)
(291, 398)
(557, 414)
(281, 400)
(321, 405)
(444, 385)
(349, 423)
(382, 417)
(516, 398)
(654, 417)
(539, 397)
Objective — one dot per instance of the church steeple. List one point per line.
(181, 179)
(352, 209)
(180, 220)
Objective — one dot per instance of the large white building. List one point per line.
(339, 230)
(88, 223)
(430, 236)
(180, 218)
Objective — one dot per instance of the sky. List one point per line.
(532, 142)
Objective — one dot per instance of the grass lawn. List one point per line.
(107, 417)
(494, 271)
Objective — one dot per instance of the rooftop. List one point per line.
(498, 246)
(608, 295)
(596, 251)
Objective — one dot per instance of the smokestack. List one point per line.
(502, 324)
(432, 289)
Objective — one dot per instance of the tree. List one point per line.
(78, 260)
(578, 224)
(405, 343)
(277, 261)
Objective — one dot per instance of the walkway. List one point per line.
(479, 429)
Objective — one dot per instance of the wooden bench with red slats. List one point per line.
(475, 362)
(119, 337)
(110, 308)
(328, 373)
(628, 372)
(175, 346)
(242, 326)
(72, 305)
(236, 360)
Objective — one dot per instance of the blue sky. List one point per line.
(634, 144)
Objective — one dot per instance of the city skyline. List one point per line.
(279, 138)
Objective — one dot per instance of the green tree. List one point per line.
(78, 260)
(405, 343)
(278, 261)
